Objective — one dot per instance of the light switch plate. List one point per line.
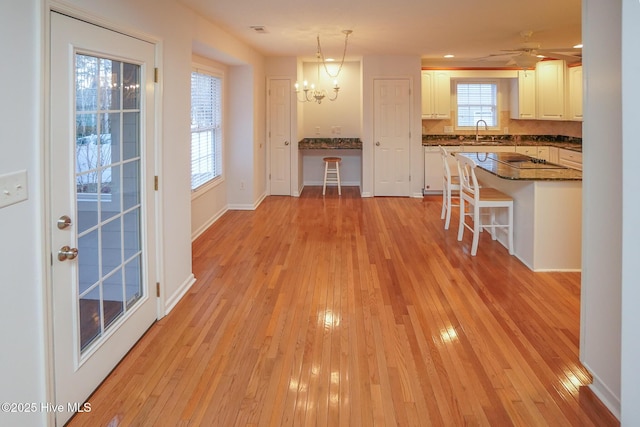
(13, 188)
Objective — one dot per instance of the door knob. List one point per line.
(64, 222)
(378, 143)
(66, 253)
(286, 143)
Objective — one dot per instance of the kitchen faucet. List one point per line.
(485, 127)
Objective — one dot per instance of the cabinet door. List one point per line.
(442, 94)
(436, 94)
(550, 83)
(433, 171)
(527, 150)
(569, 158)
(575, 93)
(523, 96)
(554, 155)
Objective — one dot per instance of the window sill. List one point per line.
(205, 188)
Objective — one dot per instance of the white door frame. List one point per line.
(48, 250)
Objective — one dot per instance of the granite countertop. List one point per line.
(516, 166)
(330, 143)
(559, 141)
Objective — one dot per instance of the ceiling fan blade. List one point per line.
(556, 55)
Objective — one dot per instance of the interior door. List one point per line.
(102, 202)
(392, 137)
(280, 136)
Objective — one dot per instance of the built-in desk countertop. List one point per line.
(330, 144)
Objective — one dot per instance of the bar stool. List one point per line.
(331, 174)
(450, 187)
(479, 198)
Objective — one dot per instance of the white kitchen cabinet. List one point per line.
(550, 85)
(575, 93)
(554, 155)
(433, 170)
(436, 94)
(569, 158)
(523, 95)
(534, 151)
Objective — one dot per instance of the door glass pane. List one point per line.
(108, 194)
(111, 242)
(133, 277)
(89, 273)
(130, 184)
(90, 318)
(112, 299)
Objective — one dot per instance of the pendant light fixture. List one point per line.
(311, 93)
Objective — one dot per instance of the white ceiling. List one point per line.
(469, 29)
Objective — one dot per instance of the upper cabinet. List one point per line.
(575, 93)
(436, 94)
(550, 85)
(523, 95)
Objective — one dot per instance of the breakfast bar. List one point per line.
(547, 207)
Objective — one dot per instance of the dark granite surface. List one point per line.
(559, 141)
(330, 143)
(516, 166)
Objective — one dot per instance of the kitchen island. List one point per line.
(547, 212)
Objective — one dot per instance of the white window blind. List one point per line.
(477, 101)
(206, 128)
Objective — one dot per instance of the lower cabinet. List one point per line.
(433, 170)
(534, 151)
(569, 158)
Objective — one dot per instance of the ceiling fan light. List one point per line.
(526, 61)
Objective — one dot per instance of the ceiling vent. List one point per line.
(259, 29)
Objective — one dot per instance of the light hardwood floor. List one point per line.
(343, 311)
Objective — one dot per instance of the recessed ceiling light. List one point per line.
(578, 46)
(449, 55)
(259, 29)
(330, 60)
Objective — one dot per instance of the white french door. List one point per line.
(102, 202)
(280, 137)
(392, 137)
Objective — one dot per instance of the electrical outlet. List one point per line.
(338, 130)
(242, 185)
(505, 131)
(317, 130)
(13, 188)
(448, 129)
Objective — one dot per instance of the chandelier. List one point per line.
(312, 94)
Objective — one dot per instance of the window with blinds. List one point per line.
(206, 128)
(477, 101)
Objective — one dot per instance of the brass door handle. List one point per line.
(66, 253)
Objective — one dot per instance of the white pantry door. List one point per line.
(392, 137)
(280, 137)
(102, 203)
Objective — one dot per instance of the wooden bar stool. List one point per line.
(479, 198)
(331, 174)
(450, 187)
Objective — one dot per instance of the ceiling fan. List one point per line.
(530, 52)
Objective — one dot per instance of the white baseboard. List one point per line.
(248, 207)
(342, 183)
(608, 398)
(209, 223)
(178, 294)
